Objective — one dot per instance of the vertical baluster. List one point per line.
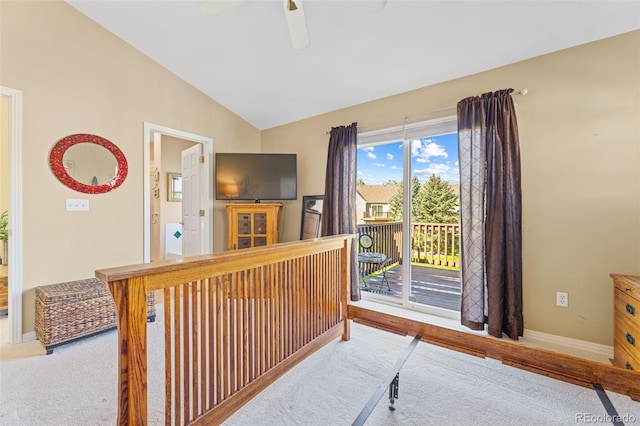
(245, 327)
(275, 318)
(168, 354)
(233, 292)
(220, 331)
(177, 366)
(239, 359)
(194, 359)
(261, 324)
(345, 279)
(212, 343)
(202, 392)
(186, 349)
(250, 297)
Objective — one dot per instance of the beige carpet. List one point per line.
(76, 385)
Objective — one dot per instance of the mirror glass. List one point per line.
(174, 187)
(88, 163)
(311, 226)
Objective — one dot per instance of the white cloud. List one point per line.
(425, 149)
(371, 155)
(389, 156)
(377, 164)
(394, 167)
(438, 169)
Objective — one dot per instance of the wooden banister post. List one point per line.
(347, 260)
(131, 311)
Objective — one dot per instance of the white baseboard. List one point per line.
(27, 337)
(568, 344)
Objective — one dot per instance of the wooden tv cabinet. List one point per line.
(253, 225)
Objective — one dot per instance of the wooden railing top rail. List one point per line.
(163, 274)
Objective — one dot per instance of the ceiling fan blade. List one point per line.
(297, 23)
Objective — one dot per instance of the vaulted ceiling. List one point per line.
(359, 51)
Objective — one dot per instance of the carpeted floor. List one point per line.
(76, 385)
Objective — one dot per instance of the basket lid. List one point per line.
(90, 288)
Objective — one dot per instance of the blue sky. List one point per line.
(434, 155)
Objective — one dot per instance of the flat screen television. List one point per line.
(256, 176)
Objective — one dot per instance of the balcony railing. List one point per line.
(431, 243)
(433, 246)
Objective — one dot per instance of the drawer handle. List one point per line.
(630, 309)
(629, 366)
(631, 339)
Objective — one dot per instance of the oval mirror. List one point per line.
(88, 163)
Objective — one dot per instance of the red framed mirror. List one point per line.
(88, 163)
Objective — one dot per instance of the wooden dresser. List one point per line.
(626, 343)
(4, 289)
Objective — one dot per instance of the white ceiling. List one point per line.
(243, 58)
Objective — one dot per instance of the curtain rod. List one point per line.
(522, 92)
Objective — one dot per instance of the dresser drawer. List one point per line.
(627, 306)
(624, 359)
(628, 285)
(628, 333)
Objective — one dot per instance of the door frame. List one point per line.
(15, 212)
(207, 150)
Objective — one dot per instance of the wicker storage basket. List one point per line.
(75, 309)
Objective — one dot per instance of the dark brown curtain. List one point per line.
(338, 208)
(490, 214)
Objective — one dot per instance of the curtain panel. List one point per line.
(490, 214)
(339, 208)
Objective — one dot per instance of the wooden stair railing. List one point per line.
(233, 323)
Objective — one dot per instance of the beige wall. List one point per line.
(76, 77)
(580, 150)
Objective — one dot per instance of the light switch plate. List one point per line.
(77, 205)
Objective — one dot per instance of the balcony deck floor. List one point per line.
(429, 286)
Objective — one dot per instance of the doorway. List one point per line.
(166, 197)
(152, 225)
(13, 134)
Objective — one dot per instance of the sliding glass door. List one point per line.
(408, 187)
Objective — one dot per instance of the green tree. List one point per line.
(436, 202)
(395, 205)
(360, 182)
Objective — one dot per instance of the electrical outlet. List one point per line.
(562, 299)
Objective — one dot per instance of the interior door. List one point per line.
(192, 201)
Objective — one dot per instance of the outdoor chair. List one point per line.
(367, 258)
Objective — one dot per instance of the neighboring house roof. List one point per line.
(377, 193)
(383, 193)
